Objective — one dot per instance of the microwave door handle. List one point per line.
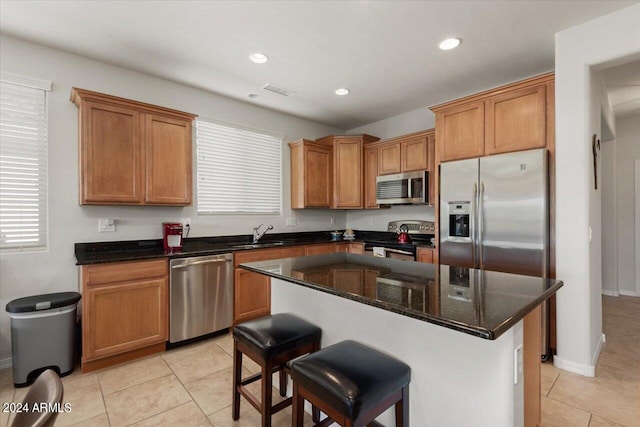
(409, 189)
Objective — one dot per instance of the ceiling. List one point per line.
(385, 52)
(623, 86)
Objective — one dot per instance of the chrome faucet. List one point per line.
(257, 234)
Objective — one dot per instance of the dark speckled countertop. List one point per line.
(101, 252)
(477, 302)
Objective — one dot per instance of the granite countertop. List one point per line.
(477, 302)
(102, 252)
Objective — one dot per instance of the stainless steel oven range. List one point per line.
(421, 233)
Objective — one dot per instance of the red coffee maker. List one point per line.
(172, 236)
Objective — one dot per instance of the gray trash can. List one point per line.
(43, 330)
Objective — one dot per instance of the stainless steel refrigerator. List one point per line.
(494, 215)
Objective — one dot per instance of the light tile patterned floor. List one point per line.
(191, 386)
(612, 397)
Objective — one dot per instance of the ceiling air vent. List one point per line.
(279, 90)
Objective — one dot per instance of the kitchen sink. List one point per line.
(257, 245)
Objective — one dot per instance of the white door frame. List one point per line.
(637, 224)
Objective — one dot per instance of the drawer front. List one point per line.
(253, 255)
(99, 274)
(323, 248)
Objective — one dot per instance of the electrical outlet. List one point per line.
(292, 221)
(106, 225)
(333, 220)
(370, 221)
(186, 222)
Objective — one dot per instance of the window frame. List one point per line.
(43, 237)
(279, 137)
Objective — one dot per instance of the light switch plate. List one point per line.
(292, 221)
(106, 225)
(518, 364)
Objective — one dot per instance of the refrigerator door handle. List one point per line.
(474, 241)
(480, 225)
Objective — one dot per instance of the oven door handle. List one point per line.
(398, 251)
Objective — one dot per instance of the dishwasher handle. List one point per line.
(209, 261)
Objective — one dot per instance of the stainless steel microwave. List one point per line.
(409, 188)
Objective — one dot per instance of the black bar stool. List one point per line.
(271, 342)
(352, 384)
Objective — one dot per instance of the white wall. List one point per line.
(579, 318)
(627, 151)
(55, 270)
(412, 121)
(377, 220)
(609, 219)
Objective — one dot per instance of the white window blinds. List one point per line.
(238, 170)
(23, 163)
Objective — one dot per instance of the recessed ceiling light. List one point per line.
(447, 44)
(258, 58)
(342, 91)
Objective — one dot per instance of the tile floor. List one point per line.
(612, 397)
(191, 386)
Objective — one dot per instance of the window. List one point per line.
(23, 163)
(238, 170)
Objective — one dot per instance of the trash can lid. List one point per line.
(42, 302)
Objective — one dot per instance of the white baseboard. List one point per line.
(596, 354)
(629, 293)
(576, 368)
(611, 293)
(579, 368)
(6, 363)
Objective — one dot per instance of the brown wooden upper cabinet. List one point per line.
(502, 120)
(329, 168)
(404, 153)
(132, 153)
(370, 174)
(311, 174)
(412, 152)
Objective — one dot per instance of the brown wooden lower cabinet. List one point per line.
(252, 291)
(428, 255)
(124, 311)
(532, 337)
(252, 297)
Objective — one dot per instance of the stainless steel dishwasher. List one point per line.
(200, 296)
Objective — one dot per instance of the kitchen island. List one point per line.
(468, 335)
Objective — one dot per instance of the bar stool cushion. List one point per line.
(350, 376)
(276, 334)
